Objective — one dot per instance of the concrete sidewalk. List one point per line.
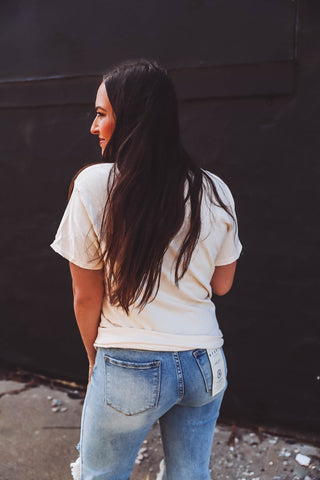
(40, 427)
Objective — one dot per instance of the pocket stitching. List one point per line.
(197, 354)
(127, 364)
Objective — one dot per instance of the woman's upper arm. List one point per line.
(222, 278)
(86, 284)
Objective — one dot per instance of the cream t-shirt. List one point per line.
(179, 318)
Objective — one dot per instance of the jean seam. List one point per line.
(179, 375)
(201, 371)
(81, 437)
(157, 387)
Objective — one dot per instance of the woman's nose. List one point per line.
(94, 127)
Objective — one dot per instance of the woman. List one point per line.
(149, 237)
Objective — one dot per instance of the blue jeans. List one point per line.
(129, 391)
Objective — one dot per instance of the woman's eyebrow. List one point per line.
(100, 108)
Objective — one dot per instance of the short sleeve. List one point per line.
(76, 238)
(231, 246)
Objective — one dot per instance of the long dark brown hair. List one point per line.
(151, 182)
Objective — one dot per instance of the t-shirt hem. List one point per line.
(71, 259)
(228, 260)
(139, 339)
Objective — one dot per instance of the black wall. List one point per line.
(248, 79)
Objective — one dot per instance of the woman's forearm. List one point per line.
(88, 293)
(87, 312)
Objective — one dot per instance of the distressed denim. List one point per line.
(129, 391)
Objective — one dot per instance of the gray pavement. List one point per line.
(40, 427)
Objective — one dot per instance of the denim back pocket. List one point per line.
(132, 387)
(203, 362)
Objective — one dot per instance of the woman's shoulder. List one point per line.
(91, 174)
(221, 186)
(91, 181)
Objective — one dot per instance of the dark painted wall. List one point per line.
(248, 79)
